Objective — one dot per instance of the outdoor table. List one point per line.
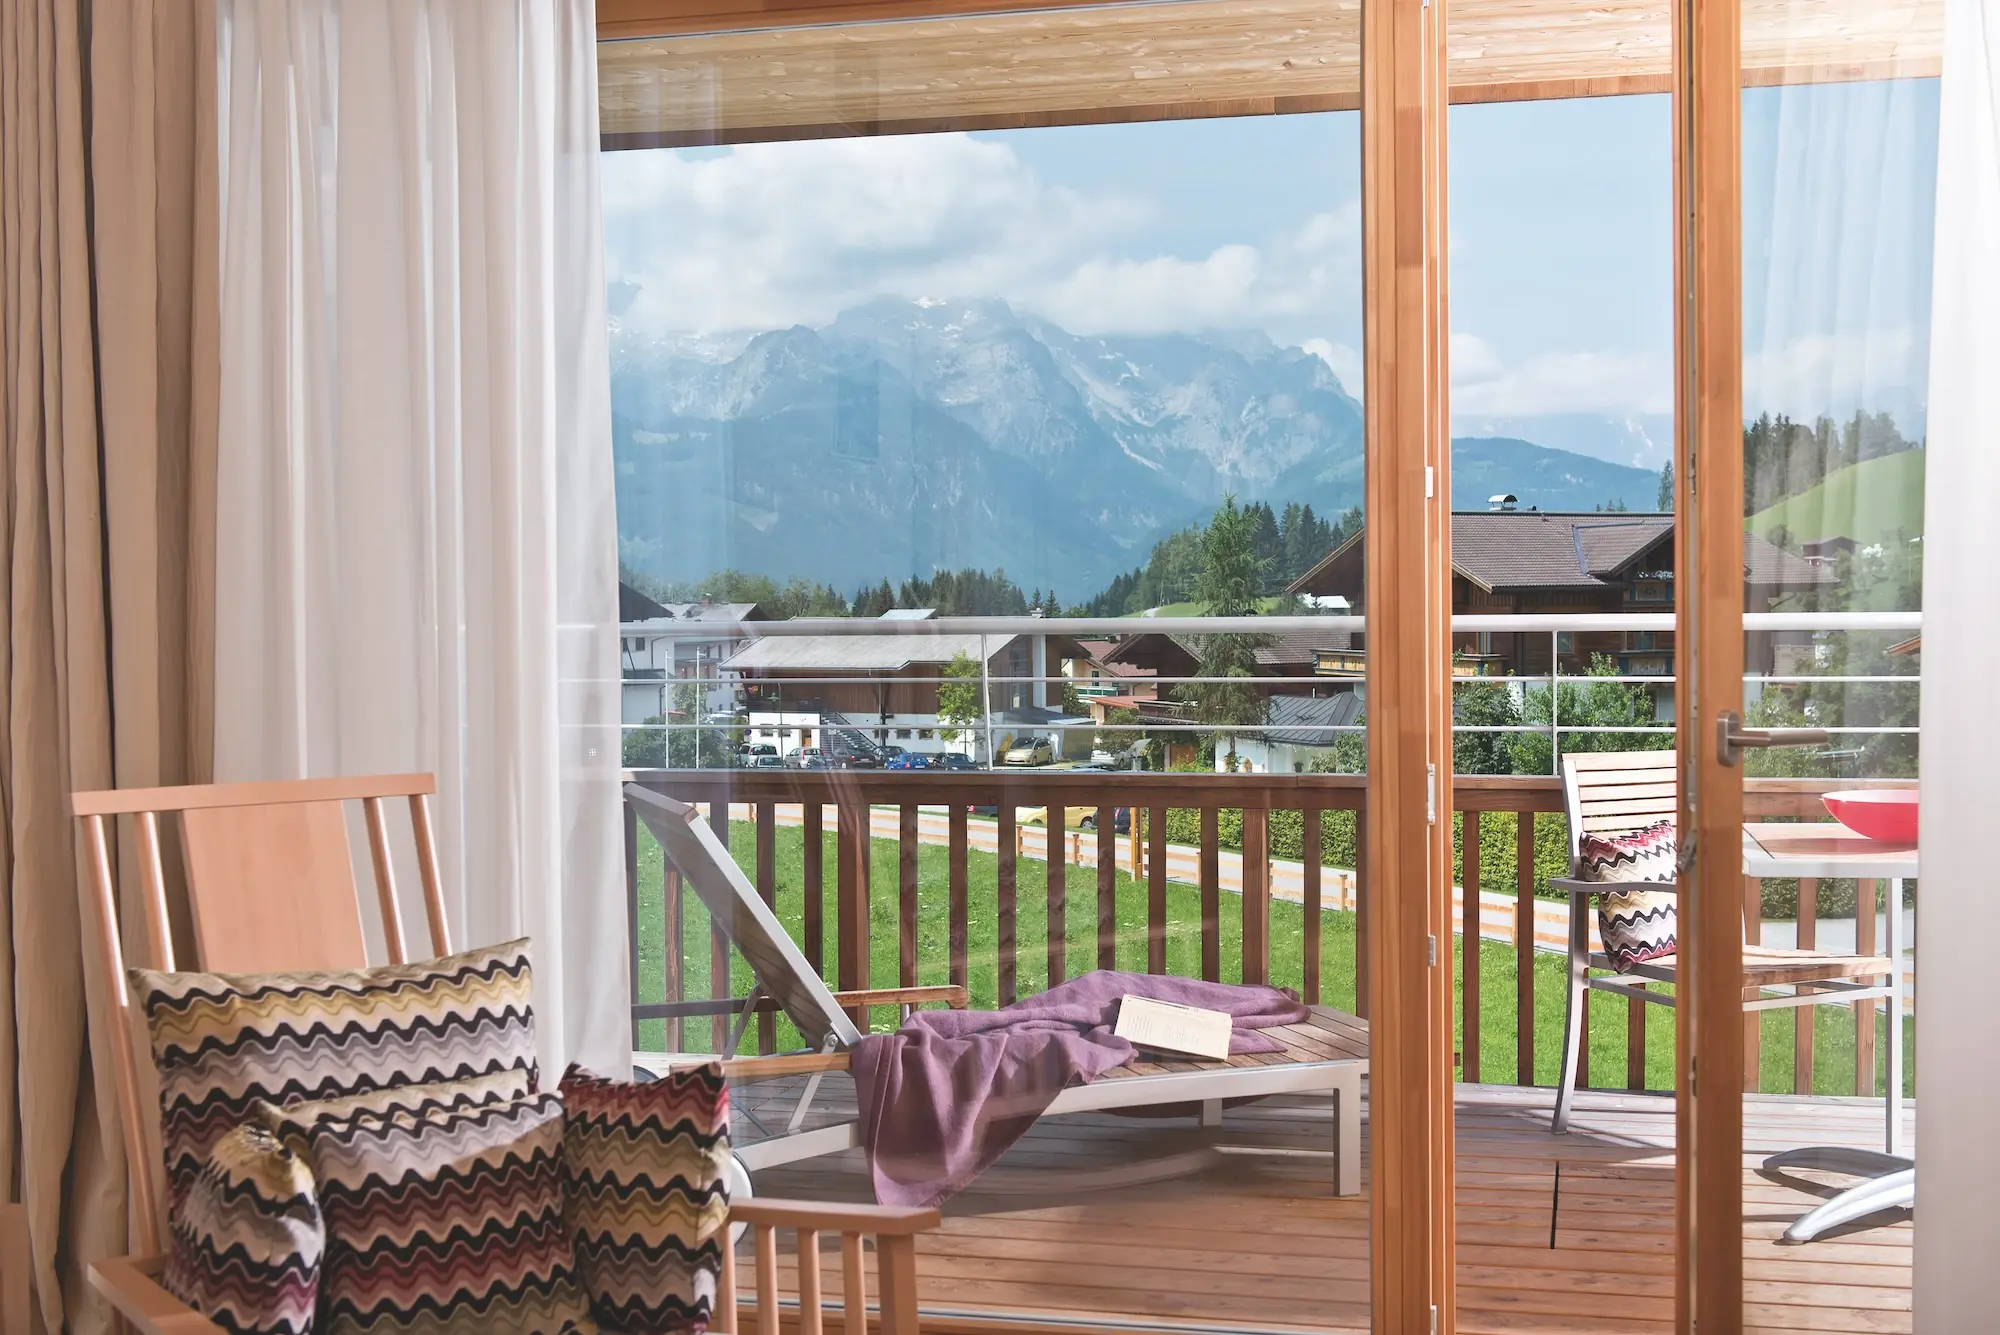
(1830, 850)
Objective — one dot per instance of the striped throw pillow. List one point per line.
(1635, 925)
(647, 1199)
(293, 1122)
(248, 1238)
(223, 1042)
(447, 1222)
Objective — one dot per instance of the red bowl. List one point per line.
(1889, 814)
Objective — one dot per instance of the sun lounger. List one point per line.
(1323, 1054)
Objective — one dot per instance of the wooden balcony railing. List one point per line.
(859, 799)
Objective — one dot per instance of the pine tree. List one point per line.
(1231, 576)
(1666, 501)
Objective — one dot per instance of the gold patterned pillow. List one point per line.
(645, 1194)
(1635, 925)
(248, 1238)
(293, 1122)
(447, 1222)
(223, 1042)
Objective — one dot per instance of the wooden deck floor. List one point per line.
(1102, 1219)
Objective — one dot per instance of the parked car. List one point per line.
(801, 757)
(765, 762)
(953, 760)
(908, 760)
(1033, 751)
(1121, 821)
(814, 762)
(856, 760)
(760, 749)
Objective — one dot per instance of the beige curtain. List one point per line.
(107, 373)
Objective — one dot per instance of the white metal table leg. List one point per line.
(1893, 1140)
(1892, 1191)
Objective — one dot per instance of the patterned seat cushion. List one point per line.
(646, 1194)
(446, 1222)
(222, 1042)
(1636, 925)
(248, 1238)
(294, 1120)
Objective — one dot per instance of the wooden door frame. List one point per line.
(1708, 662)
(1408, 574)
(1408, 488)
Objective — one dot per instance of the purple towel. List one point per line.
(945, 1095)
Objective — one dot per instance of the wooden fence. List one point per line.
(855, 794)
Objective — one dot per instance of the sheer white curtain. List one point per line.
(1958, 918)
(416, 536)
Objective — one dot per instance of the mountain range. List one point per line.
(908, 436)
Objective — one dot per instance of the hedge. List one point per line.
(1497, 842)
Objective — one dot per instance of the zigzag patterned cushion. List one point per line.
(448, 1222)
(1636, 925)
(293, 1121)
(223, 1042)
(646, 1194)
(248, 1239)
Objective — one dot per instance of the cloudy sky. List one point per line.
(1561, 240)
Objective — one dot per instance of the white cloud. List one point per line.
(1309, 276)
(1345, 361)
(769, 235)
(1809, 374)
(1472, 359)
(1484, 382)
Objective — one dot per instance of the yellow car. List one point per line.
(1036, 751)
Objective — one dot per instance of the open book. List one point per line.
(1165, 1026)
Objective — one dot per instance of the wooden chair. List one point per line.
(1615, 792)
(271, 886)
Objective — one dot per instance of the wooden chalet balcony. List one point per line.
(1096, 1218)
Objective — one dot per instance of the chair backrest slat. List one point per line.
(1612, 792)
(270, 885)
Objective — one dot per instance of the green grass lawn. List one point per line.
(1876, 500)
(1265, 607)
(1834, 1050)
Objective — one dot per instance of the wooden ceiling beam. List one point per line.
(738, 71)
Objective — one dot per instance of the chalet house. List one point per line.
(885, 687)
(1522, 562)
(1297, 730)
(1169, 659)
(656, 648)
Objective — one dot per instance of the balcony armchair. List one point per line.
(1611, 793)
(271, 887)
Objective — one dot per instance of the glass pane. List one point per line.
(1563, 651)
(966, 373)
(1839, 181)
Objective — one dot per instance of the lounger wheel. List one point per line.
(736, 1179)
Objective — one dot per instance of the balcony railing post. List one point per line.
(1555, 706)
(1468, 840)
(1006, 893)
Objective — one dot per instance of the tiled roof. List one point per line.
(858, 653)
(1302, 647)
(1534, 550)
(1504, 551)
(1308, 720)
(636, 606)
(1766, 563)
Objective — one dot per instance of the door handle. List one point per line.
(1732, 738)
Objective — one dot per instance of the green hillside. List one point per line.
(1869, 502)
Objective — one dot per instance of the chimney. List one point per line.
(1503, 503)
